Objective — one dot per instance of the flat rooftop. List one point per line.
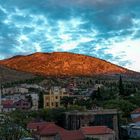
(93, 112)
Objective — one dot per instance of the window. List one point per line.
(25, 104)
(56, 104)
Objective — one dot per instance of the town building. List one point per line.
(96, 86)
(135, 113)
(22, 105)
(32, 86)
(14, 97)
(136, 121)
(8, 106)
(52, 98)
(50, 131)
(14, 90)
(99, 132)
(100, 117)
(35, 99)
(133, 129)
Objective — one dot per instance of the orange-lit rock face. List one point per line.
(61, 64)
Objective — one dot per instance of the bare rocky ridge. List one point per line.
(63, 64)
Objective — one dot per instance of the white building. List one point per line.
(15, 97)
(96, 86)
(35, 86)
(134, 131)
(134, 128)
(35, 99)
(13, 90)
(135, 113)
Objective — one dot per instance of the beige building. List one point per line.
(53, 97)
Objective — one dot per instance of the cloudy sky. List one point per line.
(107, 29)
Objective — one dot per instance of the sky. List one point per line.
(107, 29)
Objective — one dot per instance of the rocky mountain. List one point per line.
(63, 64)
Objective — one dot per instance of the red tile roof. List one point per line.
(136, 111)
(96, 130)
(45, 128)
(8, 104)
(7, 101)
(72, 135)
(34, 125)
(136, 119)
(50, 129)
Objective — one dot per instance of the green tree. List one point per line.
(76, 107)
(84, 103)
(65, 101)
(20, 117)
(41, 100)
(122, 105)
(9, 130)
(121, 87)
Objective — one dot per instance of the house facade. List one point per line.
(133, 128)
(22, 105)
(13, 90)
(99, 132)
(50, 131)
(35, 99)
(109, 117)
(135, 113)
(134, 131)
(8, 106)
(53, 97)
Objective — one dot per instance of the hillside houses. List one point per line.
(14, 90)
(52, 95)
(20, 93)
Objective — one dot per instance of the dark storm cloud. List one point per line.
(106, 14)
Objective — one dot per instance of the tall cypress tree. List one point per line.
(41, 100)
(121, 87)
